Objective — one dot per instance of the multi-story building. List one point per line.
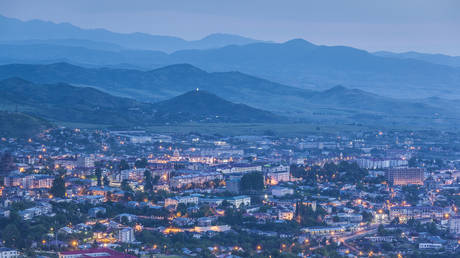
(174, 201)
(405, 213)
(373, 163)
(273, 178)
(238, 201)
(240, 168)
(233, 184)
(281, 191)
(126, 235)
(85, 161)
(67, 163)
(454, 225)
(29, 181)
(405, 176)
(194, 179)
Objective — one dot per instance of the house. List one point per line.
(174, 201)
(8, 253)
(66, 230)
(281, 191)
(429, 246)
(42, 209)
(96, 210)
(285, 215)
(237, 201)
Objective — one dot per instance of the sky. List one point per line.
(431, 26)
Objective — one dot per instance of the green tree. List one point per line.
(11, 235)
(123, 165)
(252, 182)
(367, 216)
(125, 186)
(141, 163)
(98, 174)
(58, 187)
(298, 171)
(148, 186)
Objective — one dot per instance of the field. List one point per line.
(297, 129)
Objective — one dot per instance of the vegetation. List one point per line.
(252, 182)
(14, 124)
(58, 188)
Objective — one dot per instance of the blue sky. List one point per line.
(397, 25)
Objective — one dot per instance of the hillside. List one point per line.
(167, 82)
(334, 104)
(65, 103)
(199, 105)
(62, 102)
(14, 124)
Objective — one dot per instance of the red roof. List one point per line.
(97, 252)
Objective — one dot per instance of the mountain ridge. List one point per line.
(297, 63)
(337, 103)
(66, 103)
(15, 29)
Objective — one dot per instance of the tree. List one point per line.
(6, 164)
(306, 216)
(381, 230)
(11, 235)
(123, 165)
(297, 171)
(98, 174)
(125, 186)
(155, 180)
(367, 216)
(58, 188)
(252, 182)
(141, 163)
(148, 186)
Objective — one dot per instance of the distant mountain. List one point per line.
(199, 105)
(14, 124)
(65, 103)
(57, 43)
(39, 53)
(358, 100)
(431, 58)
(17, 30)
(335, 104)
(167, 82)
(303, 64)
(296, 62)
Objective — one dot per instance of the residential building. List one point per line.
(406, 176)
(126, 235)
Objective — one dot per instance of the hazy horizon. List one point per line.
(379, 26)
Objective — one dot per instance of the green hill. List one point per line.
(65, 103)
(199, 105)
(14, 124)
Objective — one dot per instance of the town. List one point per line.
(72, 192)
